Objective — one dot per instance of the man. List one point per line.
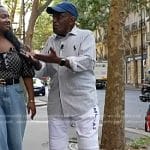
(69, 57)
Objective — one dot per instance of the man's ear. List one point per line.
(72, 20)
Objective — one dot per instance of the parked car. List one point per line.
(100, 72)
(45, 80)
(39, 87)
(145, 91)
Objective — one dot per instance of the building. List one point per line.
(138, 51)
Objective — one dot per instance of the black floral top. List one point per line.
(13, 65)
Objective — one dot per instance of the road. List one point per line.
(135, 110)
(36, 135)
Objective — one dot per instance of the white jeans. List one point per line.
(86, 128)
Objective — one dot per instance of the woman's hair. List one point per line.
(10, 36)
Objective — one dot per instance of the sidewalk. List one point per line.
(36, 134)
(39, 103)
(131, 87)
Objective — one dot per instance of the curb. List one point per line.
(132, 89)
(137, 131)
(39, 103)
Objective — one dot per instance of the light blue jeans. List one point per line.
(12, 116)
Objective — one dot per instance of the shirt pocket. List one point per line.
(19, 89)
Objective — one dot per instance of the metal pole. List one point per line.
(23, 21)
(142, 70)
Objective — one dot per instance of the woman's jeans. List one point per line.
(12, 116)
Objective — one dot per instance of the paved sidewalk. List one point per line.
(36, 134)
(131, 87)
(39, 103)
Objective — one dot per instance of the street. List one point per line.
(135, 110)
(36, 135)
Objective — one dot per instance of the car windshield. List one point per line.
(37, 81)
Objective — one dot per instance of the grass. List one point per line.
(140, 143)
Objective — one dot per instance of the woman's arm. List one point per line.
(28, 81)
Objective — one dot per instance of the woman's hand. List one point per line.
(31, 108)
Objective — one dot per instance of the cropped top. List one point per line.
(14, 65)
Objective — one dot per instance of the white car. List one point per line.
(39, 87)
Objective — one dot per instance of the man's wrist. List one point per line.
(62, 62)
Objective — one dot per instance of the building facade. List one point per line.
(137, 55)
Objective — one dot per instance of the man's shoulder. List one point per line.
(84, 31)
(53, 36)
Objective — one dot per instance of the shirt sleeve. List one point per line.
(47, 69)
(27, 69)
(87, 55)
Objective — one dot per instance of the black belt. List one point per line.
(9, 81)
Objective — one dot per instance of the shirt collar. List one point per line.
(72, 32)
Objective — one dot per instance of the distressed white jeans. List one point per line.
(86, 127)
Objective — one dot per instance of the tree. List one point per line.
(38, 7)
(113, 136)
(12, 6)
(40, 36)
(100, 10)
(89, 8)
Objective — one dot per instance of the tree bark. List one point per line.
(37, 9)
(113, 136)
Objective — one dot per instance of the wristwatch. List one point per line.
(62, 62)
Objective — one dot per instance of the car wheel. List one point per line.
(145, 126)
(43, 94)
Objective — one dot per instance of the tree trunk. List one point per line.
(113, 136)
(37, 9)
(13, 10)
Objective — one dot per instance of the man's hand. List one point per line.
(49, 58)
(29, 56)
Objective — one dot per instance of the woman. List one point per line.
(12, 99)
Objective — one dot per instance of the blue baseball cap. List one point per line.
(62, 8)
